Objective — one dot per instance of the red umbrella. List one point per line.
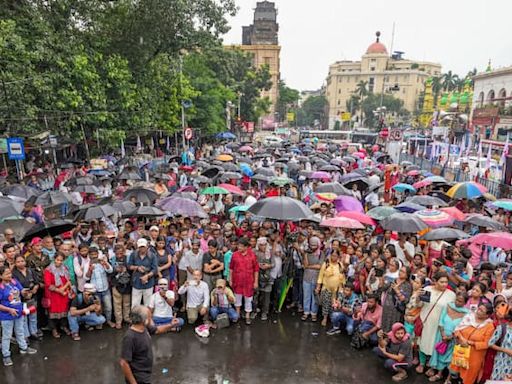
(454, 212)
(186, 168)
(342, 222)
(359, 216)
(232, 189)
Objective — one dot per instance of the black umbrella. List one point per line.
(403, 223)
(141, 195)
(161, 176)
(265, 171)
(281, 208)
(230, 176)
(175, 159)
(245, 159)
(329, 168)
(202, 179)
(279, 165)
(445, 234)
(87, 189)
(51, 228)
(212, 172)
(21, 191)
(483, 221)
(440, 195)
(427, 201)
(97, 212)
(352, 178)
(230, 167)
(82, 180)
(201, 164)
(129, 173)
(412, 168)
(260, 177)
(51, 198)
(123, 207)
(145, 211)
(18, 226)
(349, 159)
(334, 187)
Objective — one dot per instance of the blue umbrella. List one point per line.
(409, 207)
(225, 136)
(246, 169)
(402, 187)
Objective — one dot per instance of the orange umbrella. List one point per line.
(225, 157)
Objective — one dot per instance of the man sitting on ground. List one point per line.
(85, 308)
(161, 304)
(198, 297)
(222, 300)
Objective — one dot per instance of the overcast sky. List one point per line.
(459, 34)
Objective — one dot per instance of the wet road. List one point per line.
(284, 351)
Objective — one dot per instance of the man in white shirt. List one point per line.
(193, 259)
(198, 297)
(404, 250)
(161, 303)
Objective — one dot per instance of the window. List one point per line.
(372, 69)
(339, 91)
(373, 60)
(371, 84)
(339, 102)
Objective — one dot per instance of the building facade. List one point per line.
(402, 78)
(491, 117)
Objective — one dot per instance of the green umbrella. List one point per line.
(281, 181)
(214, 191)
(239, 208)
(284, 292)
(380, 213)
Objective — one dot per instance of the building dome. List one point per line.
(377, 46)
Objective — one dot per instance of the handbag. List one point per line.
(418, 323)
(441, 347)
(460, 357)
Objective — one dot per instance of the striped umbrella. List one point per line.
(434, 218)
(454, 212)
(466, 190)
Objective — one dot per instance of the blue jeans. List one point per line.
(91, 319)
(167, 320)
(309, 302)
(30, 324)
(8, 326)
(337, 318)
(390, 364)
(215, 311)
(106, 303)
(365, 326)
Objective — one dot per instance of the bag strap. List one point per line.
(431, 309)
(503, 334)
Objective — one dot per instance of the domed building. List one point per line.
(403, 78)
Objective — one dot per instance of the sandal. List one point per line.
(304, 317)
(66, 331)
(430, 372)
(420, 369)
(437, 377)
(55, 334)
(314, 318)
(75, 337)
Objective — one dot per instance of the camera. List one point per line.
(379, 272)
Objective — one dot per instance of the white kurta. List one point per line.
(428, 336)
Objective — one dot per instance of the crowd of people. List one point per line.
(440, 308)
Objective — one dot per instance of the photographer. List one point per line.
(396, 348)
(121, 286)
(161, 304)
(222, 300)
(97, 274)
(85, 308)
(144, 267)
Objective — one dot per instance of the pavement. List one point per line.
(282, 350)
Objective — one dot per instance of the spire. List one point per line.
(488, 69)
(378, 36)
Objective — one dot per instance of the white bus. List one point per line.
(327, 136)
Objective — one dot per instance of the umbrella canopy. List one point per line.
(414, 172)
(281, 208)
(361, 217)
(501, 240)
(239, 208)
(87, 189)
(326, 196)
(427, 201)
(214, 191)
(21, 191)
(261, 178)
(506, 204)
(161, 176)
(224, 157)
(434, 218)
(328, 168)
(50, 228)
(246, 169)
(231, 176)
(348, 203)
(9, 208)
(141, 195)
(334, 187)
(402, 187)
(445, 234)
(408, 207)
(230, 167)
(18, 226)
(124, 207)
(180, 206)
(483, 221)
(212, 172)
(320, 175)
(281, 181)
(466, 190)
(232, 189)
(129, 173)
(403, 223)
(266, 172)
(454, 212)
(245, 148)
(342, 222)
(52, 198)
(97, 212)
(352, 178)
(225, 136)
(380, 213)
(145, 211)
(82, 180)
(202, 179)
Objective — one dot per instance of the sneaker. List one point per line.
(39, 333)
(264, 317)
(333, 331)
(7, 362)
(29, 351)
(253, 315)
(248, 321)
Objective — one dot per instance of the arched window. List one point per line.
(501, 96)
(490, 97)
(481, 98)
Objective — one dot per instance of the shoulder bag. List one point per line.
(418, 323)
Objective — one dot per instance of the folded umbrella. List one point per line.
(281, 208)
(403, 223)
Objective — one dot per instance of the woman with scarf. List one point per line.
(396, 348)
(501, 342)
(313, 259)
(330, 279)
(58, 292)
(395, 298)
(475, 330)
(451, 316)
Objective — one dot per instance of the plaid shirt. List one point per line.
(353, 301)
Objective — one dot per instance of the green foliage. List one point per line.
(113, 68)
(287, 101)
(337, 125)
(373, 101)
(312, 109)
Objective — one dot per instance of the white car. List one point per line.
(269, 140)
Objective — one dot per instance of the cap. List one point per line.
(90, 288)
(221, 283)
(261, 240)
(154, 228)
(163, 282)
(36, 240)
(142, 243)
(196, 242)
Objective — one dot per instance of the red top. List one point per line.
(58, 303)
(243, 266)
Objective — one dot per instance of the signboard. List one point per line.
(248, 126)
(485, 112)
(188, 133)
(395, 134)
(346, 116)
(99, 164)
(15, 148)
(3, 145)
(290, 116)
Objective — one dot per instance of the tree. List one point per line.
(353, 103)
(437, 86)
(373, 101)
(288, 100)
(312, 109)
(449, 81)
(362, 89)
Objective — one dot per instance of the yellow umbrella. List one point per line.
(225, 157)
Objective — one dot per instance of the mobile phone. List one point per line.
(425, 296)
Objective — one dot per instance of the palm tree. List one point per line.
(437, 86)
(472, 74)
(459, 84)
(449, 81)
(361, 88)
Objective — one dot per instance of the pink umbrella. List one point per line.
(422, 183)
(342, 222)
(454, 212)
(362, 150)
(187, 188)
(361, 155)
(359, 216)
(414, 172)
(245, 148)
(434, 218)
(348, 203)
(232, 189)
(375, 148)
(320, 175)
(501, 240)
